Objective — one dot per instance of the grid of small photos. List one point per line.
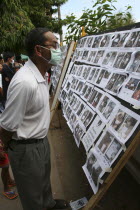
(56, 70)
(105, 67)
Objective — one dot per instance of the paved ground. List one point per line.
(69, 181)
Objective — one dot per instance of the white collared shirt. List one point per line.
(27, 111)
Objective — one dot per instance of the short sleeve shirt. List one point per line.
(27, 111)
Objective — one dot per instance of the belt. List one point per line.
(27, 141)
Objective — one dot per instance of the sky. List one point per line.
(76, 7)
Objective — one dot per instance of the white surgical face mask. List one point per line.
(56, 56)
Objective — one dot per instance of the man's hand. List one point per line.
(2, 155)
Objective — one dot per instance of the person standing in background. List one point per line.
(7, 73)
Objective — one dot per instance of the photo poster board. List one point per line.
(101, 102)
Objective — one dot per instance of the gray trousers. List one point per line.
(31, 168)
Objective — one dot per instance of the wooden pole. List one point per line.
(67, 60)
(61, 32)
(112, 176)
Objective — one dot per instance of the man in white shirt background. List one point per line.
(25, 122)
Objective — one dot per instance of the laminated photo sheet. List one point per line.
(67, 112)
(70, 95)
(83, 90)
(84, 55)
(63, 95)
(123, 59)
(67, 86)
(89, 41)
(64, 107)
(87, 116)
(94, 169)
(95, 97)
(108, 147)
(76, 106)
(97, 41)
(79, 54)
(78, 132)
(130, 91)
(103, 78)
(72, 121)
(91, 56)
(81, 108)
(79, 71)
(93, 132)
(115, 83)
(134, 65)
(133, 40)
(99, 57)
(82, 71)
(73, 101)
(94, 57)
(123, 124)
(106, 40)
(83, 41)
(109, 58)
(106, 107)
(74, 56)
(74, 69)
(119, 39)
(74, 82)
(87, 91)
(86, 72)
(117, 59)
(91, 74)
(78, 204)
(79, 87)
(95, 74)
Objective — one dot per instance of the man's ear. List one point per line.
(38, 50)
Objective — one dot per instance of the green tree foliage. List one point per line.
(102, 17)
(18, 17)
(15, 23)
(41, 13)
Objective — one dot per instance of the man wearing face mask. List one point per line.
(7, 73)
(25, 122)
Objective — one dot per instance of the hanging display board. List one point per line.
(100, 99)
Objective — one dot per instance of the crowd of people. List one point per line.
(9, 65)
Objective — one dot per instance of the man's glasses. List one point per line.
(55, 46)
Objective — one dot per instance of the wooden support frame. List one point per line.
(112, 176)
(67, 60)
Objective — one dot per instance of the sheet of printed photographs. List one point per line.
(104, 68)
(56, 70)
